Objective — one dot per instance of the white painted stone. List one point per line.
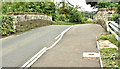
(106, 44)
(89, 54)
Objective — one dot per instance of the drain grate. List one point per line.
(90, 55)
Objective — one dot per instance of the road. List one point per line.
(18, 49)
(69, 51)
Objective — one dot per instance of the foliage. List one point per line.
(109, 37)
(118, 9)
(89, 22)
(103, 4)
(68, 14)
(41, 7)
(61, 17)
(116, 17)
(63, 23)
(71, 14)
(7, 26)
(107, 5)
(110, 57)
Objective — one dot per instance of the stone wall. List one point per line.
(103, 15)
(29, 20)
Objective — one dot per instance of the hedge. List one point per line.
(7, 26)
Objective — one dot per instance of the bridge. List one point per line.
(18, 49)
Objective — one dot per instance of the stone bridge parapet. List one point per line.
(29, 19)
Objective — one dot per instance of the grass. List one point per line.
(89, 22)
(109, 37)
(26, 29)
(110, 56)
(58, 23)
(64, 23)
(23, 30)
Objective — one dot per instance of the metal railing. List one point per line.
(114, 28)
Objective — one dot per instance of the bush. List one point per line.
(89, 21)
(62, 17)
(77, 17)
(7, 26)
(116, 17)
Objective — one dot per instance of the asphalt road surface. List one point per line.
(69, 51)
(18, 49)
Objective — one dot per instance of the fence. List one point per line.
(114, 28)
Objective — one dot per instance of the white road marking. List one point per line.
(38, 56)
(34, 57)
(41, 52)
(93, 54)
(101, 65)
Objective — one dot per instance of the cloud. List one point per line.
(81, 3)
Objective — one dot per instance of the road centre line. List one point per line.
(41, 52)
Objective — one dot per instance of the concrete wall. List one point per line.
(29, 20)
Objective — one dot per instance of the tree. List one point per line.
(103, 4)
(41, 7)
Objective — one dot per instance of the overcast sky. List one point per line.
(81, 3)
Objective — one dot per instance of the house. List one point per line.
(104, 14)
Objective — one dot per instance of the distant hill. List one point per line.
(89, 14)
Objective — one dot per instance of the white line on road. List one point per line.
(33, 57)
(64, 32)
(37, 58)
(41, 52)
(101, 65)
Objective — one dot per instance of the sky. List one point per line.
(81, 3)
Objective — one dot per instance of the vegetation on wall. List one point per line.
(115, 5)
(116, 16)
(107, 5)
(7, 26)
(68, 13)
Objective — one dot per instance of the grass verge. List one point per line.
(109, 37)
(110, 56)
(63, 23)
(23, 30)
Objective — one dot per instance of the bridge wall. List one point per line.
(31, 20)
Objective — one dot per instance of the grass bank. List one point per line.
(110, 56)
(63, 23)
